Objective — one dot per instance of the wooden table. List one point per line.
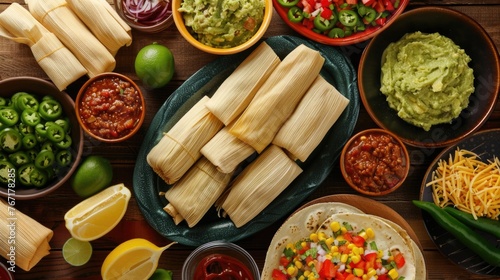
(17, 60)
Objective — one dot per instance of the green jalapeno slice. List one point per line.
(29, 141)
(50, 109)
(8, 116)
(30, 117)
(288, 3)
(295, 14)
(7, 169)
(38, 178)
(64, 157)
(44, 159)
(348, 17)
(26, 101)
(65, 143)
(336, 33)
(19, 158)
(324, 24)
(10, 140)
(55, 133)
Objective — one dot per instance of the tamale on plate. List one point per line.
(277, 98)
(258, 185)
(316, 113)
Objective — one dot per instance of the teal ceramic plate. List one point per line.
(337, 70)
(485, 144)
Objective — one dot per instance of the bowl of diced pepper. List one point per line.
(41, 142)
(339, 22)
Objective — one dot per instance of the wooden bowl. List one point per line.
(89, 120)
(40, 88)
(375, 162)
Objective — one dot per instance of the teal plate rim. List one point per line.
(147, 186)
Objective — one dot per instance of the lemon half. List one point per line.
(98, 214)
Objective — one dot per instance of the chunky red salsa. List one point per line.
(110, 108)
(375, 162)
(221, 267)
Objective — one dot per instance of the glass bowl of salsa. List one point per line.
(375, 162)
(110, 107)
(220, 260)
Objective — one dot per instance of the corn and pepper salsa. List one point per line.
(346, 255)
(110, 107)
(375, 162)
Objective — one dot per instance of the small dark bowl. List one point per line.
(467, 34)
(154, 28)
(42, 88)
(138, 122)
(354, 143)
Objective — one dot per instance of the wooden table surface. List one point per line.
(17, 60)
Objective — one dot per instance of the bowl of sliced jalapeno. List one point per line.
(339, 22)
(41, 141)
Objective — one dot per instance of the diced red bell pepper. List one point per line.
(379, 6)
(284, 261)
(278, 275)
(368, 2)
(325, 3)
(326, 13)
(358, 241)
(328, 270)
(388, 5)
(370, 260)
(383, 277)
(360, 264)
(352, 2)
(399, 259)
(309, 24)
(380, 21)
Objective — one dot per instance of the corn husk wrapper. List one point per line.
(196, 192)
(226, 151)
(104, 22)
(31, 238)
(258, 185)
(316, 113)
(58, 18)
(237, 90)
(277, 97)
(60, 65)
(180, 147)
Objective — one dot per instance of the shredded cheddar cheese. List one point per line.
(468, 183)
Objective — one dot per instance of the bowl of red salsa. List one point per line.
(110, 107)
(375, 162)
(220, 260)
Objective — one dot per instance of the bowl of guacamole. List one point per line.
(432, 77)
(222, 27)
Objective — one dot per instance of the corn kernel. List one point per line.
(355, 250)
(334, 249)
(393, 273)
(306, 273)
(351, 246)
(340, 238)
(291, 270)
(363, 234)
(303, 244)
(298, 264)
(344, 257)
(321, 236)
(355, 259)
(329, 241)
(370, 233)
(358, 272)
(335, 226)
(314, 237)
(371, 272)
(301, 277)
(343, 229)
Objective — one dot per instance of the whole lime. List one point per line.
(154, 65)
(92, 175)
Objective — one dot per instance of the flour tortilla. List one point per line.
(299, 225)
(386, 237)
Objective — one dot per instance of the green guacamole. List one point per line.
(426, 79)
(223, 23)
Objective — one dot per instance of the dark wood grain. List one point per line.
(17, 60)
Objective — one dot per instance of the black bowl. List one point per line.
(467, 34)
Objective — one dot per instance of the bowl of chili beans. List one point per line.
(375, 162)
(220, 260)
(110, 107)
(339, 22)
(41, 142)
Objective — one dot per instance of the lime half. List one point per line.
(76, 252)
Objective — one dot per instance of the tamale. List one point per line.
(316, 113)
(60, 65)
(239, 88)
(106, 25)
(258, 185)
(179, 148)
(196, 192)
(29, 238)
(58, 18)
(277, 98)
(226, 151)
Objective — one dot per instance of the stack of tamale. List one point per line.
(277, 110)
(68, 39)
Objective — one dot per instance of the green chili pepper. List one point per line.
(64, 123)
(65, 143)
(44, 159)
(26, 101)
(485, 224)
(38, 178)
(288, 3)
(29, 141)
(48, 145)
(369, 15)
(324, 24)
(9, 116)
(19, 158)
(336, 33)
(30, 117)
(64, 157)
(25, 129)
(467, 236)
(50, 109)
(55, 133)
(348, 17)
(295, 14)
(10, 140)
(24, 172)
(6, 169)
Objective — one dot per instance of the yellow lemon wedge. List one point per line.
(98, 214)
(133, 259)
